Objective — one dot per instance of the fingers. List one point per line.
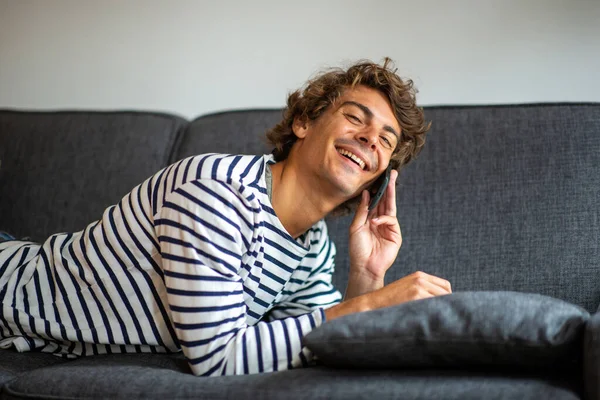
(416, 286)
(387, 206)
(389, 222)
(421, 287)
(433, 289)
(362, 212)
(390, 203)
(439, 282)
(385, 219)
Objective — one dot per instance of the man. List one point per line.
(227, 257)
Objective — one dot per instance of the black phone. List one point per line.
(379, 186)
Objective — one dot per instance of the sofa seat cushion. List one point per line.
(13, 363)
(162, 377)
(459, 330)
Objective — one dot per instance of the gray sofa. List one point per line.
(502, 198)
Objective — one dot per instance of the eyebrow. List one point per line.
(369, 115)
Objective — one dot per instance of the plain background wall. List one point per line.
(195, 57)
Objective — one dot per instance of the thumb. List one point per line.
(362, 212)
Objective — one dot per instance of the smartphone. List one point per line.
(379, 187)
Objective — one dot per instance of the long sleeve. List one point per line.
(314, 289)
(204, 231)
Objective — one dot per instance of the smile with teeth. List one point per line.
(353, 157)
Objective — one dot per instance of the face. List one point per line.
(352, 142)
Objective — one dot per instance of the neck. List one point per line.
(296, 199)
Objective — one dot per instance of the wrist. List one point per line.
(366, 277)
(362, 282)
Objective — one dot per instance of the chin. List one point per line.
(352, 193)
(344, 187)
(345, 183)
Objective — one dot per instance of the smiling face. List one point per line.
(351, 143)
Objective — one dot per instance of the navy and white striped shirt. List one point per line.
(194, 258)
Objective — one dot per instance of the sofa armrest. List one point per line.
(591, 358)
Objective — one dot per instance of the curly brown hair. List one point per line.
(310, 102)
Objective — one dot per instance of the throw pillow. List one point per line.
(458, 330)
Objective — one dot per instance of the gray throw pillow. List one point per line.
(459, 330)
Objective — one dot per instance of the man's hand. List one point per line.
(374, 241)
(418, 285)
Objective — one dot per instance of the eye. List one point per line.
(353, 118)
(385, 140)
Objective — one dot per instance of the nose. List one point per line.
(368, 138)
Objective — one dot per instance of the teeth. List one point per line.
(353, 156)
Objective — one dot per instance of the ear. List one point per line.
(300, 127)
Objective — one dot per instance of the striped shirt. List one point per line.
(192, 259)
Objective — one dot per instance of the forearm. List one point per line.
(264, 347)
(351, 306)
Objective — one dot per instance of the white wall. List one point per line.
(194, 57)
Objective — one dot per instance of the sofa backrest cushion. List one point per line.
(233, 132)
(60, 170)
(506, 198)
(500, 198)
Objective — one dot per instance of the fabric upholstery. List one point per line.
(488, 329)
(505, 198)
(61, 170)
(160, 377)
(13, 363)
